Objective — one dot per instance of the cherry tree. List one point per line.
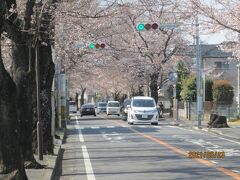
(154, 49)
(221, 16)
(139, 55)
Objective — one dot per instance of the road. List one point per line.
(107, 148)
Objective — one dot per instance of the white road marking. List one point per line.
(87, 162)
(110, 127)
(142, 126)
(208, 145)
(208, 134)
(106, 137)
(113, 137)
(236, 171)
(214, 162)
(95, 127)
(119, 138)
(113, 134)
(229, 140)
(81, 139)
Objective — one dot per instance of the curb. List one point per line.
(57, 161)
(208, 130)
(223, 135)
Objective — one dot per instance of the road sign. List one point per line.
(172, 76)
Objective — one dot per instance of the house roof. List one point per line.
(213, 51)
(207, 51)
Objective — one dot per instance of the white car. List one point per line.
(142, 110)
(113, 108)
(101, 107)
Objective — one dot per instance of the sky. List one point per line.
(216, 38)
(219, 37)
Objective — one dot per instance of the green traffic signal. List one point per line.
(97, 46)
(91, 46)
(141, 27)
(147, 26)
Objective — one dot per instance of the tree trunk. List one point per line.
(23, 79)
(140, 90)
(82, 96)
(11, 162)
(154, 86)
(76, 101)
(46, 78)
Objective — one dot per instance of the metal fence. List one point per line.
(230, 111)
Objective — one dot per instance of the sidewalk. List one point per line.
(49, 161)
(233, 132)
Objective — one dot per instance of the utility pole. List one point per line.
(173, 77)
(238, 82)
(199, 77)
(175, 103)
(238, 89)
(53, 97)
(39, 123)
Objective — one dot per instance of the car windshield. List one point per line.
(113, 104)
(102, 104)
(88, 106)
(143, 103)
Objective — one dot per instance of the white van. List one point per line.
(142, 110)
(113, 108)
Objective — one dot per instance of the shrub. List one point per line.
(222, 92)
(189, 92)
(182, 72)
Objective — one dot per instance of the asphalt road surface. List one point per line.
(107, 148)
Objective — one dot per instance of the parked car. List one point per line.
(101, 107)
(113, 108)
(124, 109)
(72, 107)
(87, 109)
(142, 110)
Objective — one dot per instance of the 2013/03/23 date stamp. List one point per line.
(206, 154)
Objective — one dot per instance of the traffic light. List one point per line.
(97, 46)
(147, 26)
